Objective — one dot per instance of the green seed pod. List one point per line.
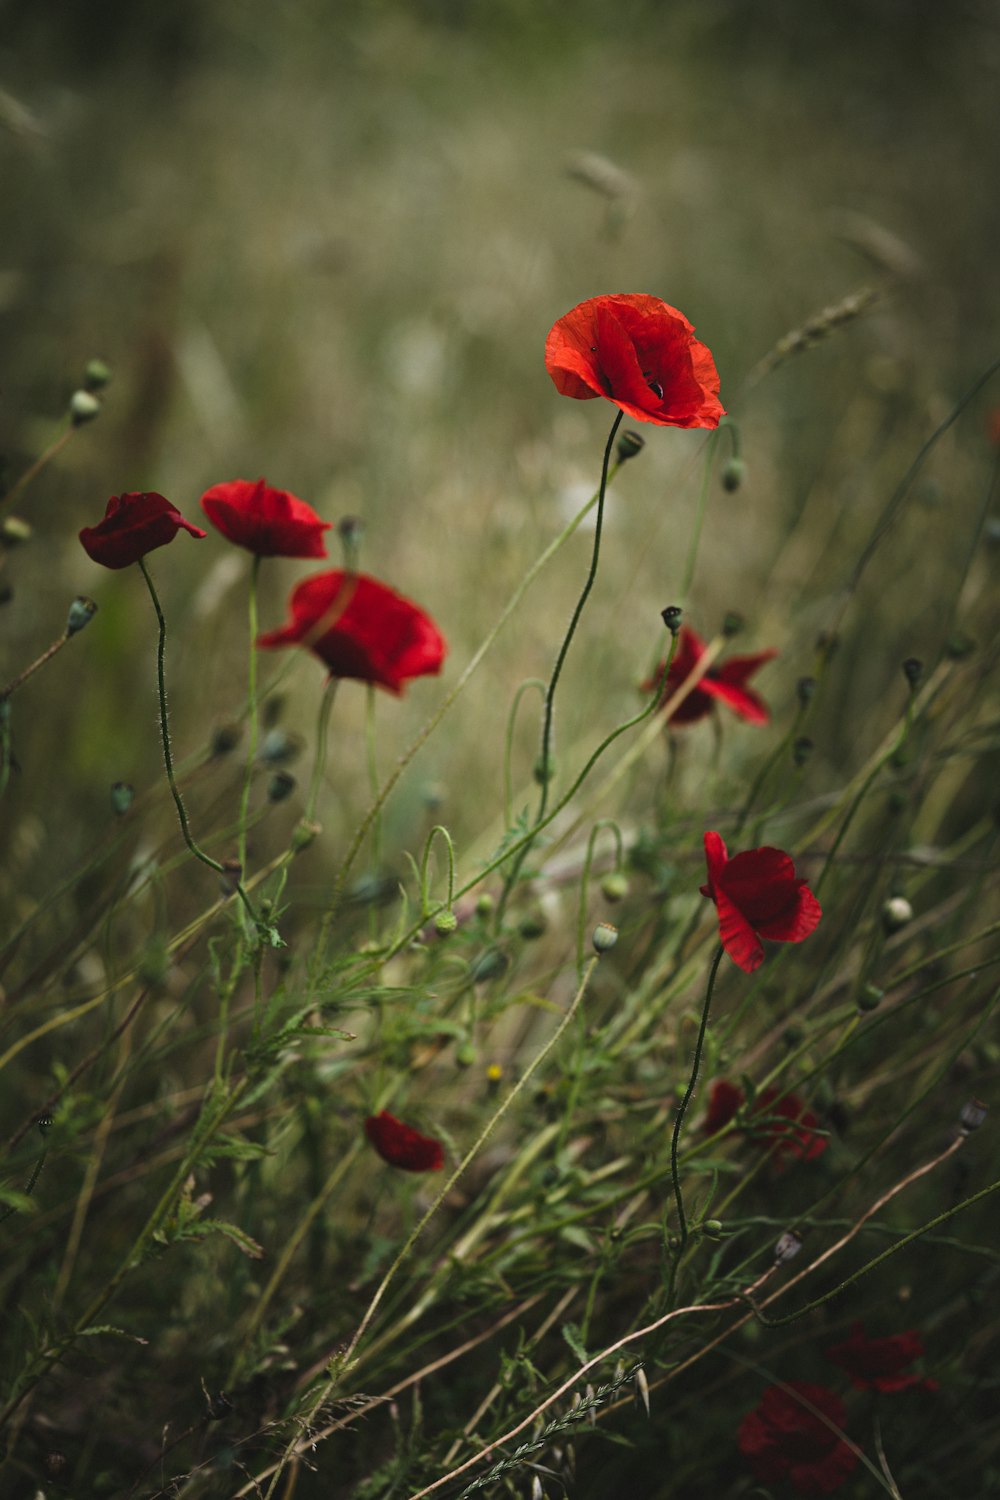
(445, 923)
(489, 965)
(484, 905)
(614, 887)
(629, 445)
(15, 531)
(604, 937)
(913, 670)
(281, 785)
(466, 1055)
(732, 624)
(304, 834)
(81, 612)
(544, 769)
(225, 739)
(870, 997)
(83, 407)
(532, 925)
(733, 474)
(122, 797)
(96, 376)
(896, 912)
(671, 617)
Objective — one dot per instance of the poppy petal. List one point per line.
(402, 1146)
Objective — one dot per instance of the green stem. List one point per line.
(251, 713)
(682, 1228)
(322, 732)
(581, 919)
(699, 519)
(508, 747)
(425, 902)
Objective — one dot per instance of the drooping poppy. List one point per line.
(266, 521)
(786, 1122)
(880, 1364)
(758, 895)
(361, 628)
(133, 525)
(783, 1439)
(724, 682)
(402, 1146)
(641, 354)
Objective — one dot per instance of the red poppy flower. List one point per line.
(641, 354)
(268, 522)
(782, 1439)
(880, 1364)
(725, 682)
(133, 525)
(361, 628)
(758, 896)
(402, 1146)
(793, 1134)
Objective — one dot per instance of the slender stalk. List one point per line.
(682, 1228)
(699, 518)
(32, 473)
(252, 713)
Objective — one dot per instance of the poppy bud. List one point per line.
(230, 876)
(83, 407)
(465, 1055)
(532, 925)
(14, 531)
(802, 749)
(896, 912)
(489, 965)
(81, 612)
(122, 797)
(544, 769)
(870, 997)
(445, 923)
(277, 747)
(225, 739)
(973, 1115)
(671, 617)
(733, 474)
(281, 785)
(614, 887)
(788, 1246)
(732, 624)
(629, 445)
(604, 937)
(304, 833)
(484, 904)
(351, 530)
(712, 1229)
(96, 376)
(958, 646)
(913, 670)
(805, 689)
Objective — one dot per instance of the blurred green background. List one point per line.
(325, 244)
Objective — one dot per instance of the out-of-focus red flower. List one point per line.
(271, 523)
(361, 628)
(793, 1132)
(641, 354)
(402, 1146)
(725, 682)
(880, 1364)
(758, 895)
(133, 525)
(782, 1439)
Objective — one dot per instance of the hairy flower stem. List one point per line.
(682, 1227)
(168, 759)
(252, 714)
(545, 769)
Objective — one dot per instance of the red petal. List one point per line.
(797, 922)
(267, 521)
(737, 936)
(402, 1146)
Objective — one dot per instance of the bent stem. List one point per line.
(168, 759)
(682, 1228)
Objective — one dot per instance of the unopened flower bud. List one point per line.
(532, 925)
(733, 474)
(604, 937)
(80, 614)
(230, 876)
(305, 832)
(489, 965)
(83, 407)
(732, 624)
(465, 1055)
(913, 670)
(671, 617)
(225, 739)
(629, 445)
(870, 997)
(973, 1114)
(958, 646)
(122, 797)
(277, 747)
(712, 1229)
(805, 690)
(544, 769)
(96, 376)
(445, 923)
(484, 904)
(802, 749)
(896, 912)
(788, 1246)
(14, 531)
(281, 785)
(614, 887)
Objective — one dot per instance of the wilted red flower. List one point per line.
(402, 1146)
(793, 1134)
(641, 354)
(782, 1439)
(724, 682)
(268, 522)
(361, 628)
(758, 896)
(133, 525)
(880, 1364)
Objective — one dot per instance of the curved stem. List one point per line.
(508, 746)
(425, 905)
(699, 518)
(251, 711)
(682, 1229)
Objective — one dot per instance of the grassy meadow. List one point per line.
(326, 246)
